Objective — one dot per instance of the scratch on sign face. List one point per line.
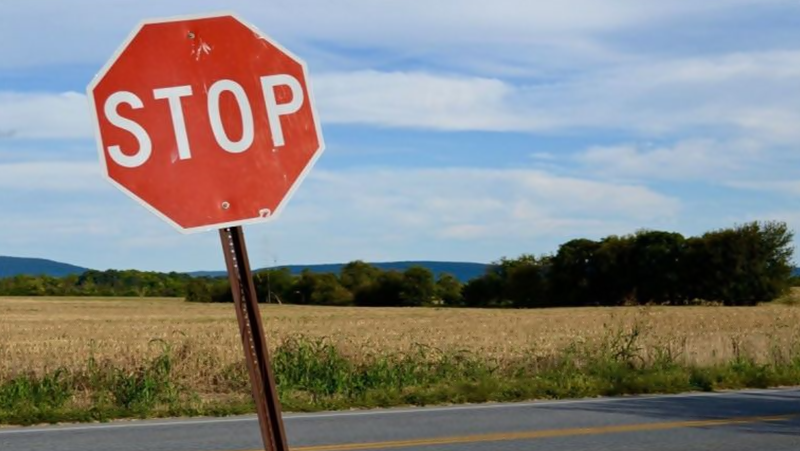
(203, 49)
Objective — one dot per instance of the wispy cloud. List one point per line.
(733, 95)
(462, 213)
(421, 100)
(601, 76)
(788, 188)
(507, 29)
(52, 176)
(745, 93)
(44, 115)
(690, 159)
(371, 213)
(496, 203)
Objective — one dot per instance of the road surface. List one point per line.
(757, 420)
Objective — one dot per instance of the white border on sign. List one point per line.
(101, 150)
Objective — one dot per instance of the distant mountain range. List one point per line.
(12, 266)
(462, 271)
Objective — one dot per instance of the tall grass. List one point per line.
(315, 374)
(40, 335)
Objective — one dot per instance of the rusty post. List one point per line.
(251, 327)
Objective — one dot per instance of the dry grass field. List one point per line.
(38, 335)
(83, 359)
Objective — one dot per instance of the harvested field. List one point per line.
(85, 359)
(41, 334)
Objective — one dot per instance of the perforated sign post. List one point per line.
(210, 124)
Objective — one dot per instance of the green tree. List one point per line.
(418, 287)
(573, 273)
(197, 290)
(386, 291)
(525, 284)
(614, 280)
(304, 288)
(657, 258)
(220, 290)
(329, 291)
(358, 275)
(448, 290)
(745, 265)
(320, 289)
(275, 285)
(485, 291)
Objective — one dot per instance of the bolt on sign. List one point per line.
(210, 124)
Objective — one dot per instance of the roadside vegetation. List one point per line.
(83, 359)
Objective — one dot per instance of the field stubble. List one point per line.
(97, 359)
(40, 335)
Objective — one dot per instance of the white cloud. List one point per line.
(421, 100)
(488, 203)
(699, 159)
(774, 123)
(768, 65)
(55, 176)
(31, 230)
(790, 188)
(95, 226)
(543, 67)
(44, 115)
(416, 100)
(748, 94)
(88, 30)
(737, 94)
(376, 214)
(466, 214)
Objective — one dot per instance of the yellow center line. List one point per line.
(530, 435)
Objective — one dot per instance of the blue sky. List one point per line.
(455, 129)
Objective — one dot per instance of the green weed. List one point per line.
(313, 374)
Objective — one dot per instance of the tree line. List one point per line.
(743, 265)
(358, 283)
(128, 283)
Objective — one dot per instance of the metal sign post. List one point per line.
(162, 138)
(251, 328)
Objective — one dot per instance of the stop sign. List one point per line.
(205, 121)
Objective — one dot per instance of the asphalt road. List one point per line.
(766, 420)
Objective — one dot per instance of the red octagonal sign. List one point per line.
(206, 121)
